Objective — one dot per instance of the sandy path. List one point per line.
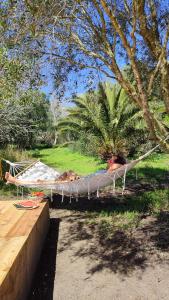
(86, 270)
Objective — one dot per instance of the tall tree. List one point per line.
(104, 35)
(104, 32)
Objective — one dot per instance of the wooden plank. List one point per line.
(9, 219)
(21, 227)
(8, 252)
(21, 240)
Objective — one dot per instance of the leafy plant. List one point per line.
(104, 116)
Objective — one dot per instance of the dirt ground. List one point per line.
(77, 264)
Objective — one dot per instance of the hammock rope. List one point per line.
(114, 185)
(97, 195)
(88, 188)
(62, 196)
(51, 195)
(124, 180)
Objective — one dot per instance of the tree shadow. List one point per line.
(154, 176)
(137, 198)
(117, 249)
(160, 236)
(121, 252)
(43, 281)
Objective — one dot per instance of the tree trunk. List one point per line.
(55, 138)
(165, 84)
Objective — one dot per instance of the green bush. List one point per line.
(86, 144)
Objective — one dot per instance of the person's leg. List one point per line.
(10, 179)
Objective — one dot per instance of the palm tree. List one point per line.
(104, 114)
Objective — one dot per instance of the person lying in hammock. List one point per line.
(114, 163)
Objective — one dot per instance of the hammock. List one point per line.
(39, 175)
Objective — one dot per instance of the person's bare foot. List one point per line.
(9, 177)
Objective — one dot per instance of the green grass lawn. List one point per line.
(156, 161)
(64, 159)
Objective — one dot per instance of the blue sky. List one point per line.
(48, 88)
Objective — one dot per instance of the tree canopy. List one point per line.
(23, 109)
(23, 122)
(99, 35)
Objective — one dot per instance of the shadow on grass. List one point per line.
(150, 174)
(43, 282)
(138, 201)
(37, 155)
(161, 231)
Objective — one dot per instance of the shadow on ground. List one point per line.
(108, 246)
(160, 236)
(120, 251)
(105, 245)
(43, 282)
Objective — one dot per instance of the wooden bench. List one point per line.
(22, 233)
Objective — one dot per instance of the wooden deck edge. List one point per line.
(18, 281)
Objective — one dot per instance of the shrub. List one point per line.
(12, 153)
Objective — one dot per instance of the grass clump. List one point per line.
(12, 154)
(108, 223)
